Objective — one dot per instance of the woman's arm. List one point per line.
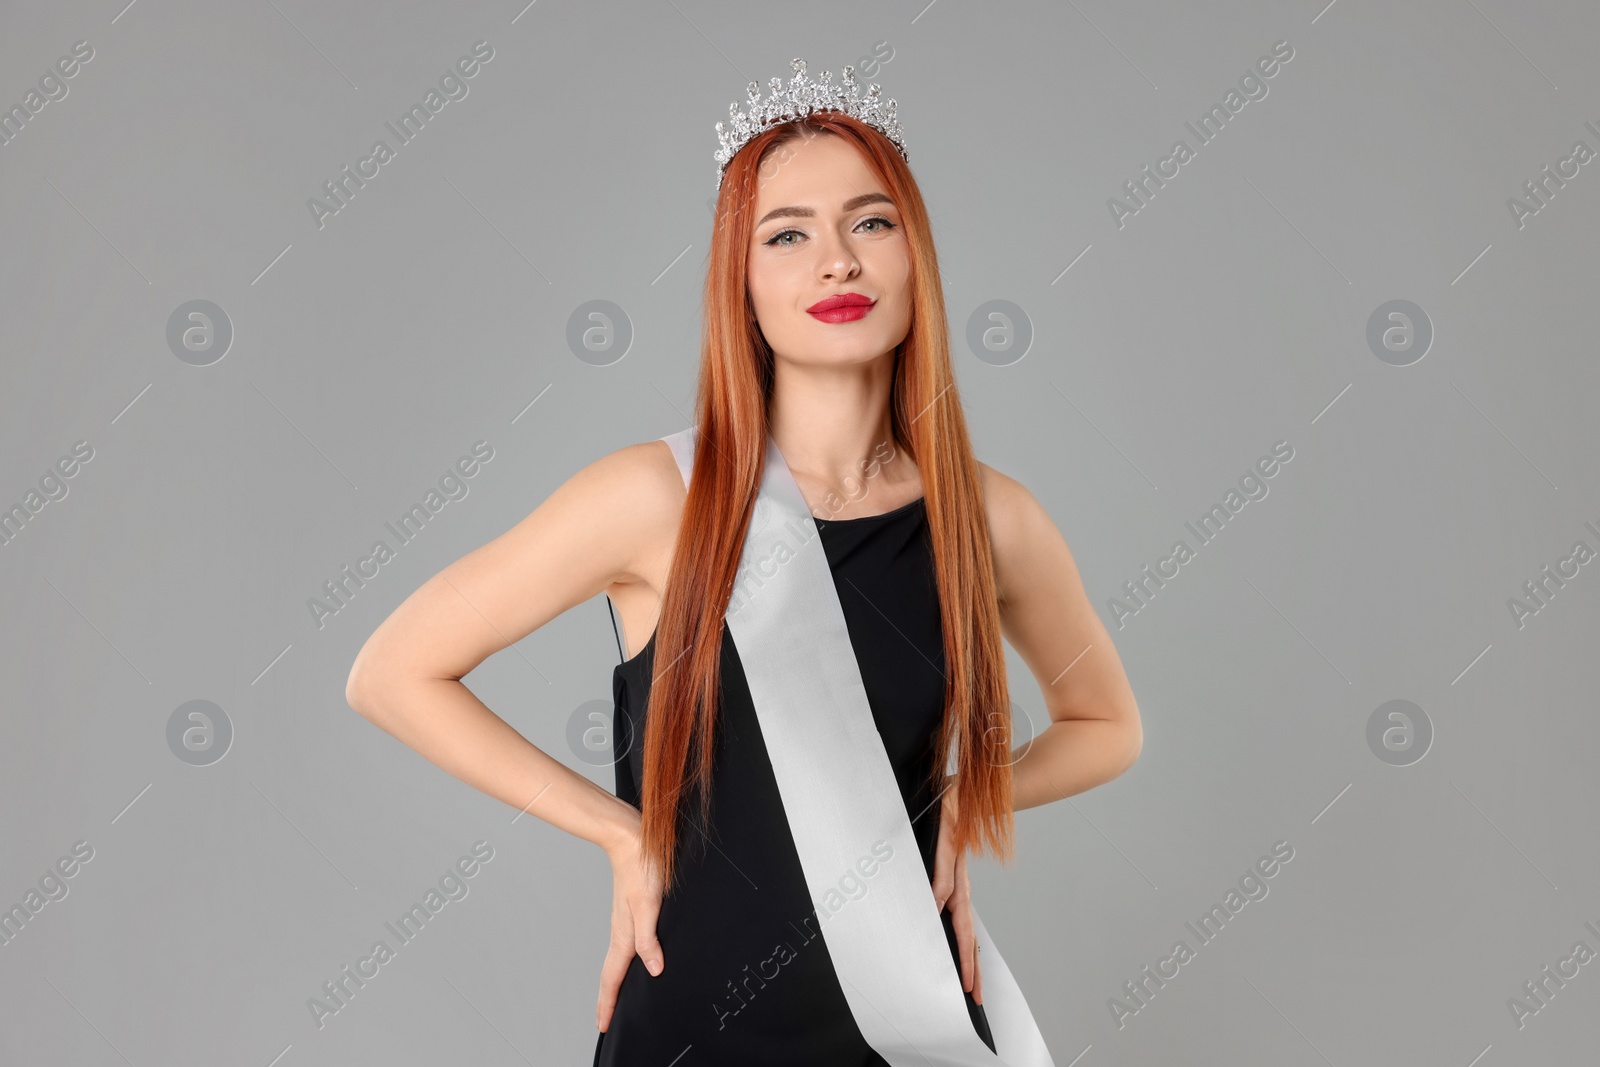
(1094, 733)
(589, 533)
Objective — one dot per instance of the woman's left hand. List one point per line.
(951, 888)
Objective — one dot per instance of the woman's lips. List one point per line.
(846, 308)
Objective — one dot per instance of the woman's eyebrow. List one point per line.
(806, 213)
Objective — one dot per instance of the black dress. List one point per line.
(747, 978)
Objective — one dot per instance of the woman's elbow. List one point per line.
(357, 693)
(1134, 744)
(361, 686)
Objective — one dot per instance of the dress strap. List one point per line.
(622, 653)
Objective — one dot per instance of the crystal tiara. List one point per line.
(799, 98)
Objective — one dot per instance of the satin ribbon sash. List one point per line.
(844, 806)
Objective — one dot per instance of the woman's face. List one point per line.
(824, 228)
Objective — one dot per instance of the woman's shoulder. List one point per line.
(641, 491)
(1004, 498)
(645, 474)
(1020, 529)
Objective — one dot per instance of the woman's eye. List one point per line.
(777, 238)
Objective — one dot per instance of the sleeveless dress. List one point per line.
(746, 975)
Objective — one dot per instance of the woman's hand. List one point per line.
(950, 886)
(635, 904)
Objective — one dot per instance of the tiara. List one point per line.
(799, 98)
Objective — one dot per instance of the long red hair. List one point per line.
(736, 380)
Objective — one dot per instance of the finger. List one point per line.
(944, 863)
(967, 948)
(961, 923)
(611, 972)
(644, 937)
(964, 910)
(944, 877)
(946, 860)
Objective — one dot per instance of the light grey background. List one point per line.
(369, 354)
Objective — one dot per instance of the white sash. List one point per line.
(844, 806)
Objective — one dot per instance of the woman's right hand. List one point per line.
(635, 904)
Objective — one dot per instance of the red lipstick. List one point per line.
(846, 307)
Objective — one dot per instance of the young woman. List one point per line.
(825, 386)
